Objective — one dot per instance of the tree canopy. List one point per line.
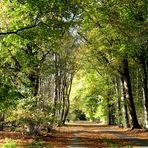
(84, 58)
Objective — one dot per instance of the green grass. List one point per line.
(36, 144)
(9, 143)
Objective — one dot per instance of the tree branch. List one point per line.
(21, 29)
(18, 65)
(102, 54)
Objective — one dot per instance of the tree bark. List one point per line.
(68, 101)
(56, 86)
(2, 118)
(129, 95)
(109, 112)
(145, 91)
(118, 92)
(125, 110)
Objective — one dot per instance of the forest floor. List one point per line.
(82, 135)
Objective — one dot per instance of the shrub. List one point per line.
(9, 143)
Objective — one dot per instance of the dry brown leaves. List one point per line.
(138, 133)
(77, 135)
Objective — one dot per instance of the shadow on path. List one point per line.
(90, 135)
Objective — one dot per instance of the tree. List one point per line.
(108, 35)
(31, 33)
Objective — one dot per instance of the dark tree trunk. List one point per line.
(34, 80)
(112, 114)
(110, 105)
(63, 99)
(2, 118)
(66, 112)
(127, 84)
(67, 107)
(109, 112)
(67, 103)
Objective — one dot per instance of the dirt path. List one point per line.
(92, 135)
(132, 139)
(82, 135)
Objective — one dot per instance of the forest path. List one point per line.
(81, 135)
(93, 135)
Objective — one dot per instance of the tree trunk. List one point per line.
(2, 118)
(118, 92)
(64, 85)
(56, 85)
(109, 112)
(129, 95)
(145, 91)
(67, 101)
(110, 105)
(125, 110)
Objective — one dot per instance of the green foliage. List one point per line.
(28, 112)
(9, 93)
(88, 95)
(34, 31)
(37, 144)
(76, 115)
(9, 143)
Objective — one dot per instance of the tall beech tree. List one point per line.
(129, 95)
